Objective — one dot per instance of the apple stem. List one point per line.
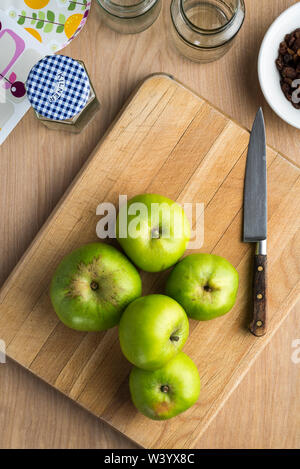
(174, 338)
(156, 233)
(164, 388)
(94, 286)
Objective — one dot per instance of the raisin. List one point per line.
(288, 64)
(291, 41)
(289, 72)
(279, 64)
(283, 48)
(287, 58)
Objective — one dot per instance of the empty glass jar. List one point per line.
(129, 16)
(204, 30)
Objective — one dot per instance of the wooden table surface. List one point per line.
(36, 167)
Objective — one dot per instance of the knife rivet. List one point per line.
(260, 268)
(259, 323)
(259, 296)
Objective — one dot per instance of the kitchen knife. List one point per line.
(255, 220)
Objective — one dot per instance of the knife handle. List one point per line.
(258, 324)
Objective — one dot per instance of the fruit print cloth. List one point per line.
(19, 52)
(54, 23)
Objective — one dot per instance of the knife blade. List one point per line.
(255, 220)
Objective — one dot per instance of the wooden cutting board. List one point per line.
(169, 141)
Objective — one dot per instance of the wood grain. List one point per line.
(156, 127)
(34, 415)
(36, 166)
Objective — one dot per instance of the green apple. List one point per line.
(153, 231)
(92, 286)
(204, 284)
(152, 330)
(162, 394)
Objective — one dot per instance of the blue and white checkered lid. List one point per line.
(58, 87)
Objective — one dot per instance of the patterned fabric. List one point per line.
(54, 23)
(58, 87)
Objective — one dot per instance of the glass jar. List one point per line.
(129, 16)
(204, 30)
(61, 93)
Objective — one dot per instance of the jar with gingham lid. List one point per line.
(61, 93)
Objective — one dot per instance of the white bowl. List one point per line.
(268, 74)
